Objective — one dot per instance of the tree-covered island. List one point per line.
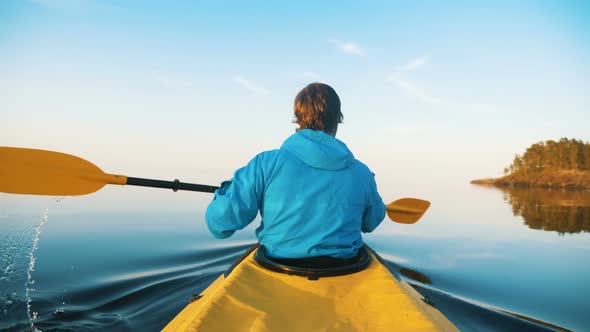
(550, 164)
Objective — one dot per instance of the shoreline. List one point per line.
(571, 180)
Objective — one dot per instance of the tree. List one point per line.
(564, 154)
(551, 155)
(586, 157)
(577, 154)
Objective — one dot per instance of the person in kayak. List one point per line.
(314, 197)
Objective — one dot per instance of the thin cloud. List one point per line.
(415, 64)
(251, 86)
(409, 88)
(412, 90)
(348, 47)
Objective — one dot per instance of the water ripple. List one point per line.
(468, 314)
(144, 299)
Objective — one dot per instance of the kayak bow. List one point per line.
(250, 297)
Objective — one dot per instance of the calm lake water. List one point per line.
(489, 259)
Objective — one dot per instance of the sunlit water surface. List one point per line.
(488, 259)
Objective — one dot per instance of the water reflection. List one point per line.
(415, 275)
(562, 211)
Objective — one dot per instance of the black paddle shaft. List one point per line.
(174, 185)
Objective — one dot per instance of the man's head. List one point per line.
(317, 107)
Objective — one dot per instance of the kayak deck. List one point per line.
(252, 298)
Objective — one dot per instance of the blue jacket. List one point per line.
(313, 196)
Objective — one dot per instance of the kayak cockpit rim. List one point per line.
(359, 263)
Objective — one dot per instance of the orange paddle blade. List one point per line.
(40, 172)
(407, 210)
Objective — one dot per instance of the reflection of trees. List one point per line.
(415, 275)
(551, 210)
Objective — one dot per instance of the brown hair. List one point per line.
(317, 107)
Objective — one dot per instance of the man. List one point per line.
(314, 197)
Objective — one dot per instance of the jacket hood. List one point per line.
(319, 150)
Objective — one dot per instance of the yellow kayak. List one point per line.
(250, 297)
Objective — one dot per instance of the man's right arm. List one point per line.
(236, 202)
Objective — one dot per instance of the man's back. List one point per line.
(314, 198)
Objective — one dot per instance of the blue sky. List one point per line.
(433, 92)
